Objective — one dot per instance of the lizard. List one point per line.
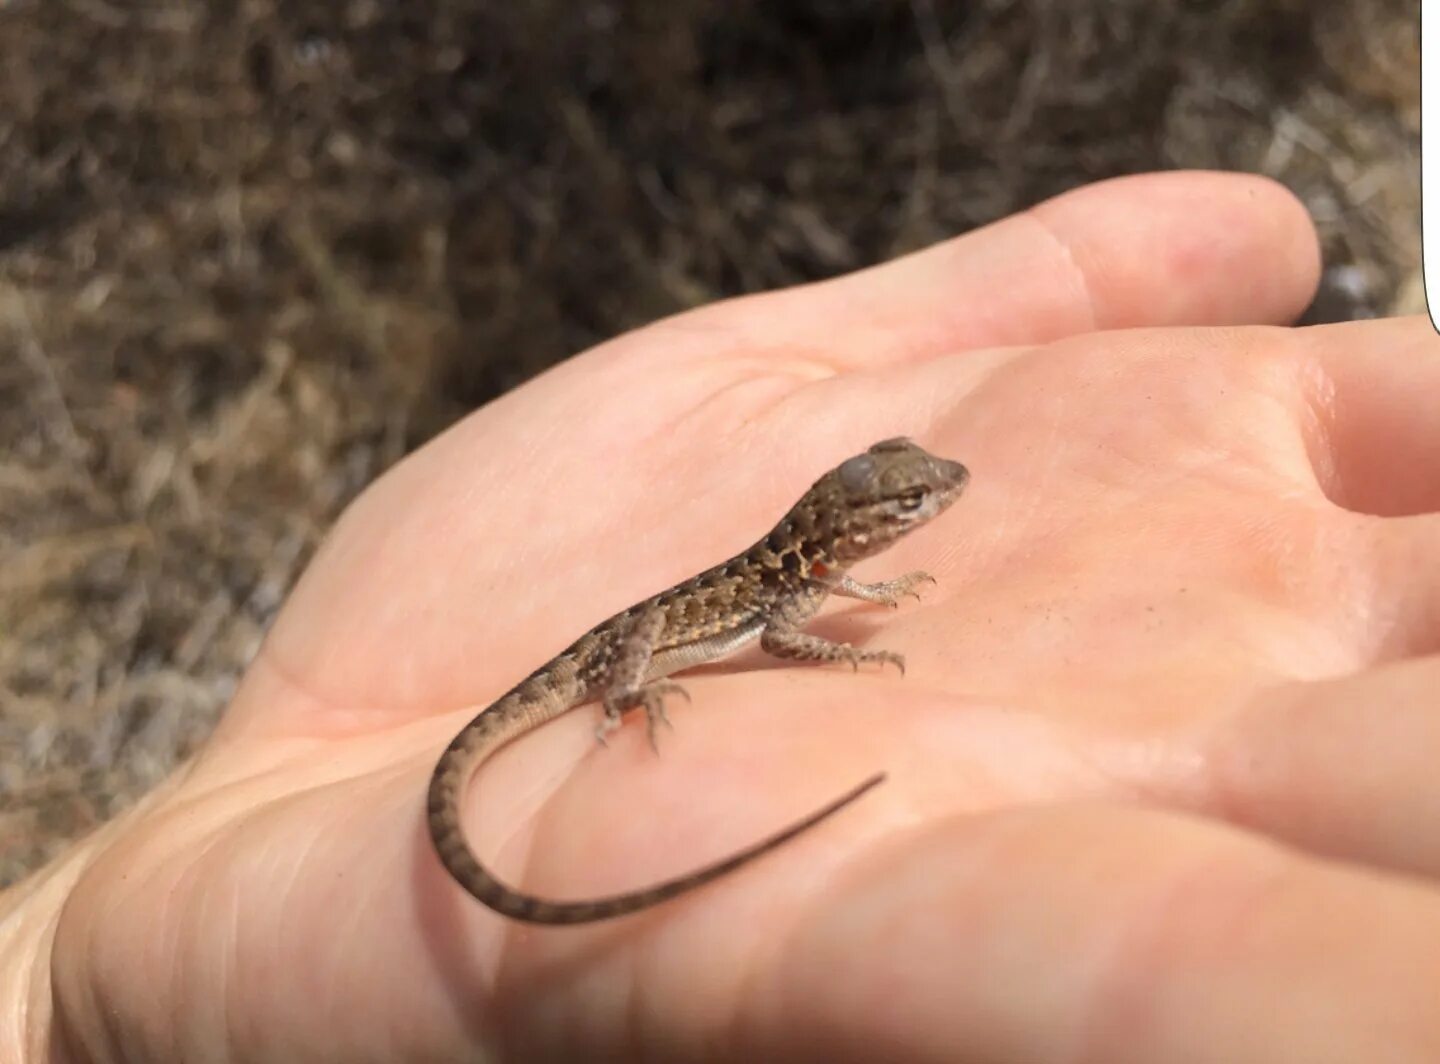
(766, 594)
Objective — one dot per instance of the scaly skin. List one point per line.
(767, 593)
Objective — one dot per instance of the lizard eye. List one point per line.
(911, 500)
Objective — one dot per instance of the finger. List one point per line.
(1376, 435)
(1157, 249)
(1106, 934)
(1406, 553)
(1342, 767)
(1212, 274)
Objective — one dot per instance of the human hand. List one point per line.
(1172, 668)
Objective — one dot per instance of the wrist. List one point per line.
(29, 914)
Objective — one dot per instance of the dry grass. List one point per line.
(252, 252)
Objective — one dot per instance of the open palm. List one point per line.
(1169, 673)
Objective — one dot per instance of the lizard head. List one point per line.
(878, 496)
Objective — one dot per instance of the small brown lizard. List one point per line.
(767, 593)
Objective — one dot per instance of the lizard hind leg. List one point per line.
(626, 688)
(650, 697)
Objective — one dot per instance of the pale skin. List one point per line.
(1162, 777)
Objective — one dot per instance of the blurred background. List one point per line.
(253, 251)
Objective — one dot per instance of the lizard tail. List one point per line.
(453, 772)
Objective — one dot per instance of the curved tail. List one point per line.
(451, 775)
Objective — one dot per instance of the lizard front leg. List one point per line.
(626, 688)
(795, 645)
(886, 592)
(782, 637)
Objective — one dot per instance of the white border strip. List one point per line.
(1430, 157)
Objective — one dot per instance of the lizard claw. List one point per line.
(653, 699)
(654, 717)
(919, 576)
(608, 723)
(883, 657)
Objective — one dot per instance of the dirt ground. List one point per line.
(251, 252)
